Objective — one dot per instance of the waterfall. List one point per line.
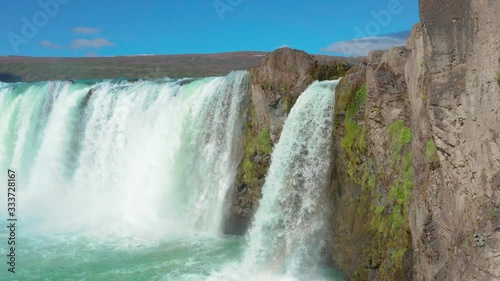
(127, 179)
(125, 157)
(290, 230)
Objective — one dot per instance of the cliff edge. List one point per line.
(417, 152)
(454, 91)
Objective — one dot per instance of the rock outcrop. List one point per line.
(417, 165)
(275, 86)
(373, 170)
(455, 101)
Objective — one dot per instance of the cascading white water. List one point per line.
(289, 231)
(129, 158)
(126, 180)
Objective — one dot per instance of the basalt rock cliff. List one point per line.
(417, 162)
(455, 94)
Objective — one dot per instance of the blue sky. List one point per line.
(76, 28)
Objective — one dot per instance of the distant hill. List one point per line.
(29, 69)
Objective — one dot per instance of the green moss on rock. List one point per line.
(431, 152)
(400, 136)
(393, 231)
(330, 71)
(266, 85)
(354, 140)
(386, 226)
(356, 103)
(289, 101)
(258, 146)
(264, 144)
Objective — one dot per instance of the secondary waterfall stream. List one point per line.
(290, 226)
(126, 180)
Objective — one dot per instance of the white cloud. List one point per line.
(86, 30)
(97, 43)
(48, 44)
(362, 46)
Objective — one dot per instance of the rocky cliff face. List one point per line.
(416, 166)
(373, 176)
(419, 197)
(275, 86)
(455, 100)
